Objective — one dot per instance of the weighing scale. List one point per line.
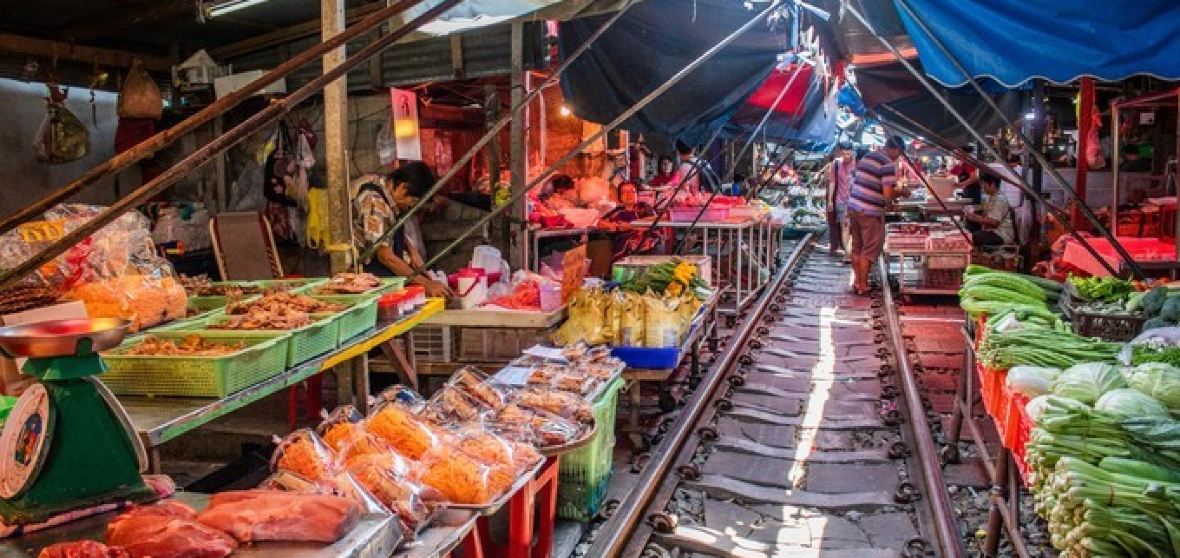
(68, 443)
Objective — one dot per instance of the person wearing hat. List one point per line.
(839, 174)
(376, 202)
(873, 188)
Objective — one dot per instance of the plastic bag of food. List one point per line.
(303, 452)
(548, 430)
(574, 383)
(341, 426)
(463, 479)
(474, 382)
(575, 351)
(451, 406)
(369, 448)
(143, 300)
(663, 325)
(544, 374)
(341, 484)
(689, 306)
(560, 403)
(404, 432)
(631, 321)
(604, 369)
(586, 320)
(398, 495)
(478, 441)
(403, 396)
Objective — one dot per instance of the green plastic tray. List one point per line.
(301, 286)
(585, 473)
(307, 342)
(361, 315)
(264, 356)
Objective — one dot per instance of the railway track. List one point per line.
(805, 438)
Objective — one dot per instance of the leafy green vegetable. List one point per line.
(1141, 354)
(1031, 381)
(1171, 310)
(1159, 380)
(1108, 289)
(1153, 301)
(1130, 403)
(1154, 323)
(1085, 383)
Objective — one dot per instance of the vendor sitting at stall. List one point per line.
(376, 203)
(619, 219)
(995, 219)
(561, 193)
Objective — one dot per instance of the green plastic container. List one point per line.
(361, 315)
(306, 343)
(6, 405)
(264, 356)
(301, 286)
(388, 284)
(585, 473)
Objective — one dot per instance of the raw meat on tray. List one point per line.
(167, 530)
(270, 515)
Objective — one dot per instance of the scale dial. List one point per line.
(25, 441)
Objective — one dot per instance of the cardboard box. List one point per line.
(12, 381)
(225, 85)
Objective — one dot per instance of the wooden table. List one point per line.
(158, 420)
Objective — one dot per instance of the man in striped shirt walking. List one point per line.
(872, 191)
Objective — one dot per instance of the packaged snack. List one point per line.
(558, 402)
(369, 448)
(402, 430)
(396, 494)
(302, 453)
(403, 396)
(475, 383)
(450, 406)
(475, 440)
(463, 479)
(548, 430)
(574, 383)
(341, 426)
(662, 321)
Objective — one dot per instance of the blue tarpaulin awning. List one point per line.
(1013, 41)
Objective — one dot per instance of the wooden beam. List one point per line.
(91, 55)
(336, 141)
(287, 34)
(117, 21)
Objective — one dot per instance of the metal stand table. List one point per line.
(917, 280)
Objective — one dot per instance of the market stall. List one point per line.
(1082, 407)
(926, 258)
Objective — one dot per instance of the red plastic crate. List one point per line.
(993, 391)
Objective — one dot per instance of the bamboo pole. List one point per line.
(150, 146)
(218, 145)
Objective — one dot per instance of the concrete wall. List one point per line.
(22, 107)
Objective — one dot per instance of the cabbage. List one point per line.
(1087, 382)
(1131, 404)
(1159, 380)
(1031, 381)
(1036, 406)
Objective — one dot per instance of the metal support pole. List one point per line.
(333, 22)
(1122, 251)
(150, 146)
(518, 156)
(1085, 124)
(597, 136)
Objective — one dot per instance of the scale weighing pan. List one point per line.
(58, 338)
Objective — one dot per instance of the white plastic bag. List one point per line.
(386, 145)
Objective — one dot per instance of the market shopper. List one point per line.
(995, 218)
(873, 188)
(839, 178)
(376, 202)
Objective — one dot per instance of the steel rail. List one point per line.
(1040, 157)
(945, 525)
(221, 143)
(616, 533)
(160, 140)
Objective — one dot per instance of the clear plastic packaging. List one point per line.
(369, 448)
(303, 452)
(475, 383)
(558, 402)
(477, 440)
(396, 494)
(341, 427)
(404, 432)
(548, 430)
(451, 406)
(403, 396)
(463, 479)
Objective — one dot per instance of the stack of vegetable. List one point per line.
(1160, 306)
(990, 292)
(1104, 460)
(1039, 345)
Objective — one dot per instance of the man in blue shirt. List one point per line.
(872, 191)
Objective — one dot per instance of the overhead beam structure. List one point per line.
(32, 46)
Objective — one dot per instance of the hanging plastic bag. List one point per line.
(386, 145)
(140, 96)
(62, 137)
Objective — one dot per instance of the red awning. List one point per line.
(792, 103)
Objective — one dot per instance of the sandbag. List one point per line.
(140, 96)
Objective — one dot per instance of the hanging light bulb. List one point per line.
(565, 111)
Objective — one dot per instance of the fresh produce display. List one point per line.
(1038, 345)
(992, 293)
(1105, 289)
(1032, 381)
(671, 278)
(191, 345)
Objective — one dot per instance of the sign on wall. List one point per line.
(405, 124)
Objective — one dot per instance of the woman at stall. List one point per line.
(995, 219)
(376, 203)
(665, 174)
(628, 240)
